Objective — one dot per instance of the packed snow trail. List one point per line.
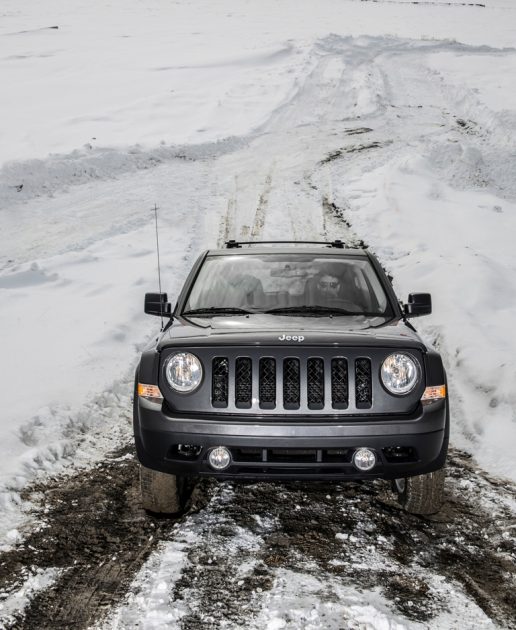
(373, 135)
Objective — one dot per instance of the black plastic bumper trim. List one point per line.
(156, 434)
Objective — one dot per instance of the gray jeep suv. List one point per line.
(290, 362)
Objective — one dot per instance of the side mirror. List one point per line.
(418, 304)
(157, 304)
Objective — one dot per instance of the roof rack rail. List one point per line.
(232, 244)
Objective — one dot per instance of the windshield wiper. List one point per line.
(324, 310)
(217, 310)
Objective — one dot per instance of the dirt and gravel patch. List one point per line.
(93, 529)
(354, 533)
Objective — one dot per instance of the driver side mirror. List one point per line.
(157, 304)
(418, 304)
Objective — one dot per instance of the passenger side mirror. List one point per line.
(418, 304)
(157, 304)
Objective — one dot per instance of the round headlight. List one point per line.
(184, 372)
(400, 373)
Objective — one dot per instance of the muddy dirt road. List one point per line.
(250, 537)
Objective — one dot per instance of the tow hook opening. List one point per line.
(185, 451)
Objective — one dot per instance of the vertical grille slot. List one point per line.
(363, 387)
(219, 382)
(291, 384)
(267, 379)
(315, 383)
(243, 382)
(339, 383)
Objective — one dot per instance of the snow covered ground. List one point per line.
(390, 122)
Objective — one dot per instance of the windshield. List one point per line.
(311, 284)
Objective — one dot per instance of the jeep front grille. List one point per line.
(267, 380)
(339, 383)
(363, 392)
(291, 384)
(243, 382)
(314, 383)
(220, 382)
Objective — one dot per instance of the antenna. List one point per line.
(159, 266)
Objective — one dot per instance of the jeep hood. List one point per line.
(266, 330)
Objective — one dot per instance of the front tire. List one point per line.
(422, 494)
(161, 493)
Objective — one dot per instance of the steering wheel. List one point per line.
(347, 305)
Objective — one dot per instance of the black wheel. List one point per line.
(162, 493)
(422, 494)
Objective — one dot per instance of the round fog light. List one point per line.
(219, 458)
(364, 459)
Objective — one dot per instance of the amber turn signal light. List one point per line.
(435, 392)
(150, 392)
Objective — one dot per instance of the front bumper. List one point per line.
(300, 449)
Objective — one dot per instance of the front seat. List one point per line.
(254, 293)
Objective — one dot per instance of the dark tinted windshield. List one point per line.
(289, 282)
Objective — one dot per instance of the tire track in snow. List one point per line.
(259, 217)
(227, 222)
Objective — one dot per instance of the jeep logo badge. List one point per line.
(291, 337)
